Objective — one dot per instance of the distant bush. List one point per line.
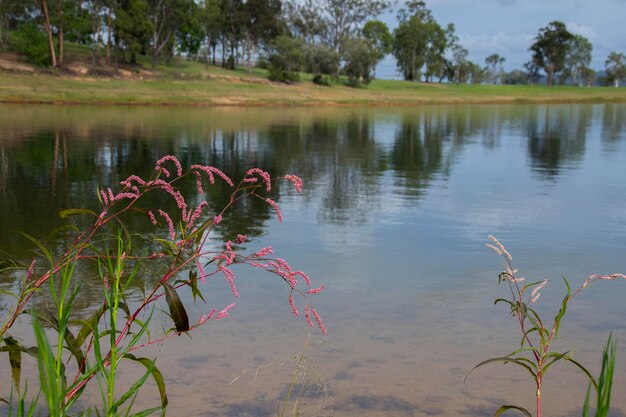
(322, 79)
(29, 41)
(286, 59)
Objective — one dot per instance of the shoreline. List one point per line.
(50, 89)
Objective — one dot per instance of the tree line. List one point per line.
(327, 38)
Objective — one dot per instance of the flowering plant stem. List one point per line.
(534, 353)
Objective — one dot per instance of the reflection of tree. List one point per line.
(614, 125)
(556, 137)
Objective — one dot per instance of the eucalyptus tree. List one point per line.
(305, 20)
(494, 63)
(261, 21)
(377, 35)
(550, 49)
(615, 66)
(577, 57)
(345, 18)
(132, 27)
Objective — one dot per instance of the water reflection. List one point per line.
(556, 138)
(396, 206)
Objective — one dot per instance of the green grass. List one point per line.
(182, 82)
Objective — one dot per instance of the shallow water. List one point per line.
(396, 209)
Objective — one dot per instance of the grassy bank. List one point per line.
(190, 83)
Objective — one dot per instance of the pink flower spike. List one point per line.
(224, 312)
(305, 277)
(294, 310)
(318, 319)
(316, 290)
(104, 198)
(297, 182)
(241, 239)
(217, 219)
(263, 174)
(264, 252)
(276, 209)
(31, 269)
(110, 195)
(201, 269)
(152, 218)
(307, 315)
(199, 182)
(179, 169)
(164, 171)
(169, 223)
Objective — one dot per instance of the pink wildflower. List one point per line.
(224, 312)
(104, 198)
(534, 295)
(110, 195)
(152, 218)
(241, 239)
(169, 223)
(196, 213)
(209, 170)
(264, 252)
(304, 276)
(318, 319)
(230, 277)
(307, 315)
(316, 290)
(127, 181)
(31, 269)
(199, 182)
(205, 317)
(217, 219)
(297, 182)
(124, 196)
(263, 174)
(179, 169)
(294, 310)
(201, 269)
(276, 209)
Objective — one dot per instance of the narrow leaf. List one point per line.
(69, 212)
(512, 407)
(156, 374)
(177, 310)
(503, 359)
(15, 359)
(40, 245)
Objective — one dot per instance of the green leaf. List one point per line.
(512, 407)
(15, 359)
(156, 374)
(40, 245)
(70, 212)
(71, 342)
(503, 359)
(146, 412)
(177, 310)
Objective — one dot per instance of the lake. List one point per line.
(394, 217)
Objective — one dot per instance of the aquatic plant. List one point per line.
(535, 354)
(182, 253)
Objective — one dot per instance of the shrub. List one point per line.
(29, 41)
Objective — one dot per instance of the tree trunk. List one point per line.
(43, 5)
(108, 47)
(60, 35)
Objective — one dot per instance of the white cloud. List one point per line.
(583, 30)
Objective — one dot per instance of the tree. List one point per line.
(360, 59)
(587, 76)
(305, 20)
(615, 66)
(578, 56)
(378, 37)
(515, 77)
(286, 58)
(166, 18)
(213, 26)
(261, 21)
(344, 18)
(132, 26)
(419, 41)
(494, 63)
(550, 48)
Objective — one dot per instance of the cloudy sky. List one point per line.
(508, 27)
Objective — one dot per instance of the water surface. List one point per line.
(397, 206)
